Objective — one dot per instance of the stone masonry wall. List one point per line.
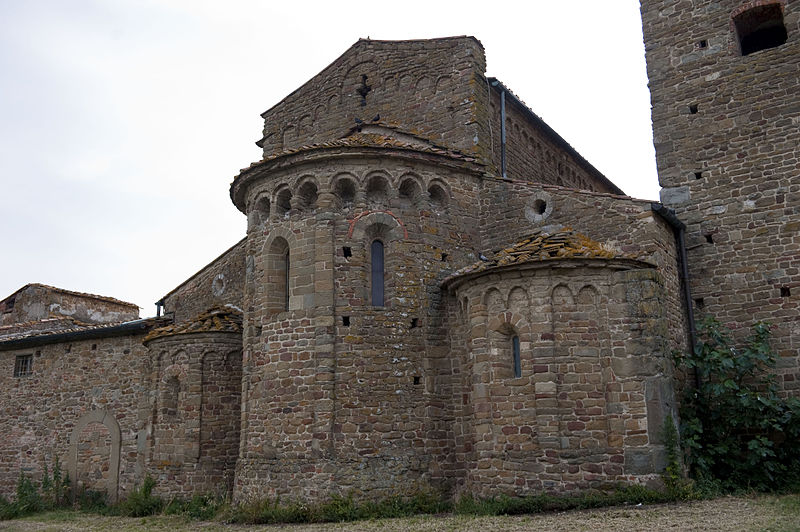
(194, 412)
(219, 283)
(39, 302)
(424, 87)
(70, 384)
(592, 344)
(511, 209)
(532, 154)
(726, 136)
(339, 395)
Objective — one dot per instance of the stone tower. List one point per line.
(726, 123)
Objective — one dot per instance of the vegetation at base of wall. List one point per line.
(505, 505)
(200, 507)
(52, 493)
(737, 432)
(140, 502)
(337, 509)
(676, 485)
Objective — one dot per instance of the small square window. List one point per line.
(760, 27)
(23, 366)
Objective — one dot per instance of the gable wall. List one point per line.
(429, 88)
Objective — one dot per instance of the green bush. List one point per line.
(141, 502)
(202, 507)
(28, 499)
(738, 433)
(8, 510)
(92, 501)
(55, 487)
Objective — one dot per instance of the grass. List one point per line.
(755, 512)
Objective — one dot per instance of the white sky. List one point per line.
(123, 122)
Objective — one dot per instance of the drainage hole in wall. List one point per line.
(539, 206)
(785, 291)
(709, 238)
(416, 380)
(347, 252)
(414, 323)
(702, 43)
(444, 257)
(698, 175)
(700, 303)
(693, 109)
(346, 321)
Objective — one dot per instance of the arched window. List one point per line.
(278, 276)
(377, 281)
(286, 280)
(172, 390)
(517, 360)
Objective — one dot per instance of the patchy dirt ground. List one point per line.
(765, 513)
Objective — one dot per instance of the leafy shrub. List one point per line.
(202, 507)
(55, 487)
(8, 510)
(91, 501)
(141, 502)
(737, 431)
(28, 499)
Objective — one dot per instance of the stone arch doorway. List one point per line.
(95, 439)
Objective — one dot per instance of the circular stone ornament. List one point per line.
(218, 285)
(538, 207)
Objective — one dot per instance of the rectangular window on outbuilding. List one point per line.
(23, 365)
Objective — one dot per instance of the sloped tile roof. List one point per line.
(72, 293)
(358, 139)
(217, 319)
(563, 243)
(50, 329)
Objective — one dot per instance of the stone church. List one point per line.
(435, 290)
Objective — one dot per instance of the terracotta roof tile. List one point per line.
(557, 244)
(217, 319)
(358, 139)
(52, 326)
(72, 293)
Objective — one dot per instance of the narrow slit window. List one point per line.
(286, 281)
(516, 355)
(278, 276)
(377, 278)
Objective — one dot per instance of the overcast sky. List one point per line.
(123, 122)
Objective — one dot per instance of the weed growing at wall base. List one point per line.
(738, 433)
(52, 493)
(338, 509)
